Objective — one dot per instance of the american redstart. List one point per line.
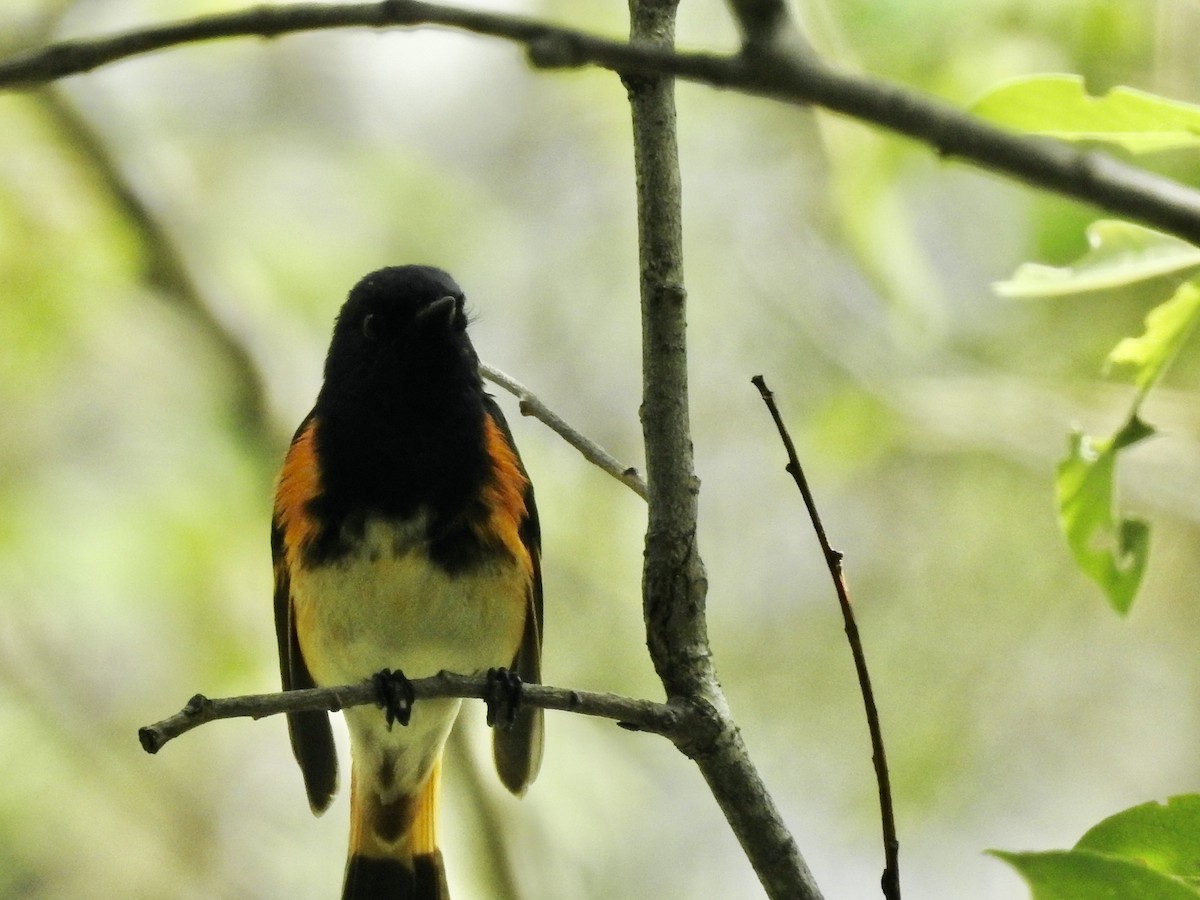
(404, 537)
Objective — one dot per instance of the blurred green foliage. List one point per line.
(176, 233)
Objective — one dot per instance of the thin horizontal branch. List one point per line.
(771, 69)
(73, 57)
(672, 720)
(531, 405)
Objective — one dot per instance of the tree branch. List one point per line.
(166, 267)
(531, 405)
(672, 720)
(833, 559)
(674, 583)
(775, 63)
(674, 578)
(774, 67)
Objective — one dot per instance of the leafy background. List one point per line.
(176, 233)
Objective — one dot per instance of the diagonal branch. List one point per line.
(672, 720)
(833, 559)
(166, 267)
(531, 405)
(767, 66)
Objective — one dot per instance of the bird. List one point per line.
(405, 541)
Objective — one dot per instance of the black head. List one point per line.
(400, 417)
(403, 329)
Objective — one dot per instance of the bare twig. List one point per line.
(774, 68)
(833, 559)
(671, 720)
(531, 405)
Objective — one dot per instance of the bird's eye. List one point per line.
(369, 329)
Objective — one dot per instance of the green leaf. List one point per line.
(1120, 254)
(1111, 551)
(1060, 106)
(1165, 838)
(1087, 875)
(1143, 359)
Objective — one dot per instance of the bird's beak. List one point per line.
(444, 310)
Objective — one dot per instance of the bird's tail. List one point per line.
(393, 845)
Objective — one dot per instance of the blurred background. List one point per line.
(176, 234)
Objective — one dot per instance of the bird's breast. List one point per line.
(385, 604)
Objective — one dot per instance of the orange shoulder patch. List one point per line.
(299, 482)
(504, 496)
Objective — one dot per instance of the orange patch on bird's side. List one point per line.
(299, 482)
(504, 495)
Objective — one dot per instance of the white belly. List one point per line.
(387, 607)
